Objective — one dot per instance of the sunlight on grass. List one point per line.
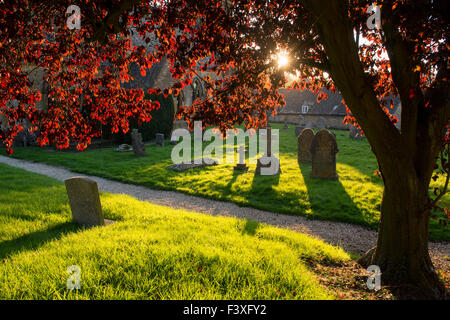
(355, 198)
(151, 252)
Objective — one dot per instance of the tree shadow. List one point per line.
(36, 239)
(267, 181)
(328, 198)
(233, 179)
(250, 227)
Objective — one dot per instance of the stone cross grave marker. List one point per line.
(241, 166)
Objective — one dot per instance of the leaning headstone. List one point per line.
(268, 160)
(138, 145)
(241, 166)
(160, 139)
(321, 123)
(304, 145)
(84, 202)
(355, 133)
(323, 149)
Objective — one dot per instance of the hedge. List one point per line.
(162, 122)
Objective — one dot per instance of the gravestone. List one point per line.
(124, 148)
(300, 126)
(180, 124)
(323, 150)
(298, 129)
(304, 142)
(321, 123)
(285, 127)
(268, 160)
(355, 133)
(138, 145)
(85, 202)
(184, 166)
(160, 139)
(176, 134)
(241, 166)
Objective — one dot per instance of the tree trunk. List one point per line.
(405, 158)
(402, 246)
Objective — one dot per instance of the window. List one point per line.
(305, 108)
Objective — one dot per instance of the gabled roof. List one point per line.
(295, 99)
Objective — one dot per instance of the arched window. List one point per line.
(197, 89)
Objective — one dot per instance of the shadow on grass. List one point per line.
(36, 239)
(329, 196)
(233, 179)
(250, 227)
(263, 183)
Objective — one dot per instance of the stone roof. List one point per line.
(295, 99)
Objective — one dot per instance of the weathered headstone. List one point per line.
(180, 124)
(184, 166)
(160, 139)
(321, 123)
(241, 166)
(124, 148)
(300, 126)
(268, 161)
(138, 145)
(323, 149)
(84, 202)
(304, 142)
(355, 133)
(308, 125)
(298, 129)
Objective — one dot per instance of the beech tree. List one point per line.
(233, 47)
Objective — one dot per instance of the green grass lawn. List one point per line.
(151, 252)
(355, 198)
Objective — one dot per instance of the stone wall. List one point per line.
(332, 121)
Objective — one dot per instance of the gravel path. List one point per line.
(352, 238)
